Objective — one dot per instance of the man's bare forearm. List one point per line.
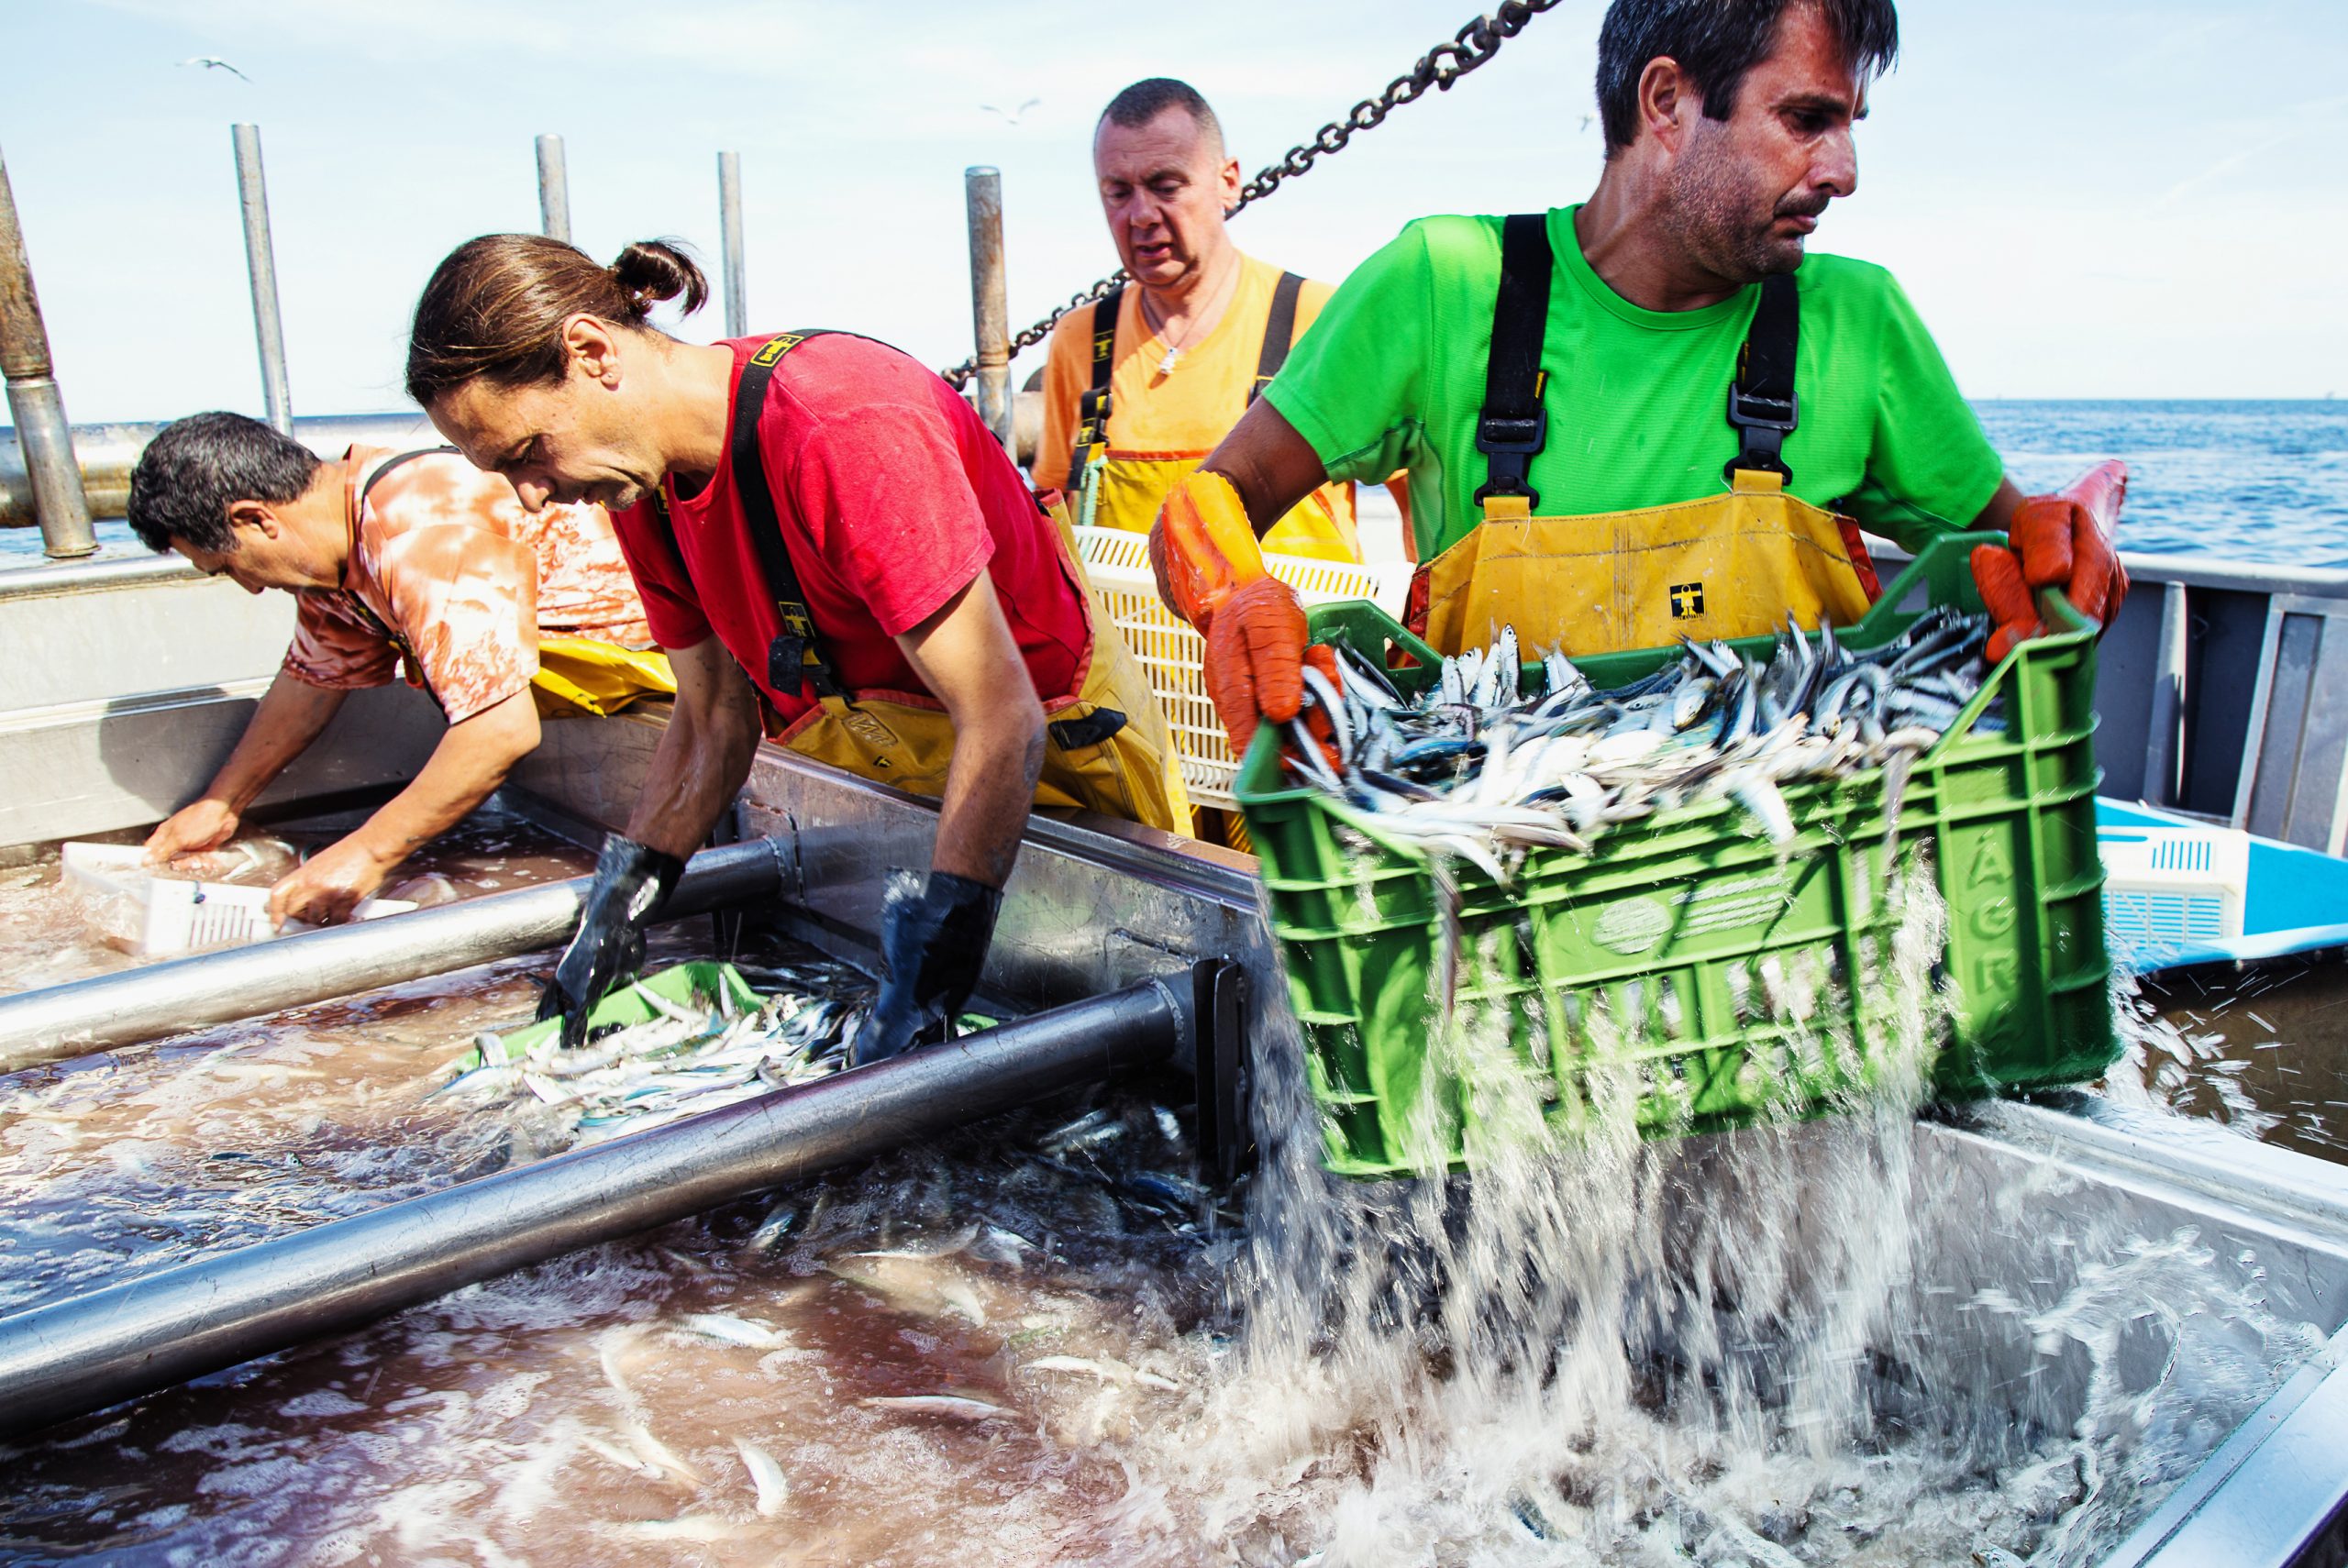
(1270, 464)
(472, 760)
(990, 789)
(703, 754)
(292, 714)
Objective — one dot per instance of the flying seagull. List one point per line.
(1013, 118)
(214, 62)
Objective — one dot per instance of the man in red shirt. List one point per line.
(869, 561)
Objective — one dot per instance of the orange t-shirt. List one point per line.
(1181, 412)
(445, 560)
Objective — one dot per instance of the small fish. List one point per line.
(735, 1332)
(952, 1407)
(658, 1454)
(766, 1476)
(1107, 1371)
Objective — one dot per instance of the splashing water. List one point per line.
(1853, 1339)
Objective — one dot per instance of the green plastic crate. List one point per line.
(684, 985)
(1693, 902)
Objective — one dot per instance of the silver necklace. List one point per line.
(1174, 351)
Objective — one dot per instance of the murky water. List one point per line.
(1837, 1341)
(2263, 1050)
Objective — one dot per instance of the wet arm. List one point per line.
(291, 715)
(967, 657)
(471, 759)
(1999, 515)
(1270, 464)
(703, 754)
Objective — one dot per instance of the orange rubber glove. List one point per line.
(2063, 540)
(1211, 573)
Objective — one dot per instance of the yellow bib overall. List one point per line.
(1718, 566)
(1106, 749)
(1123, 488)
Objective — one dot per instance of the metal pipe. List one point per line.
(88, 1352)
(261, 266)
(990, 298)
(104, 455)
(54, 490)
(59, 1022)
(729, 220)
(554, 191)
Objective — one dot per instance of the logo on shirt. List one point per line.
(775, 348)
(1686, 600)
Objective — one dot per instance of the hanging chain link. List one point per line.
(1441, 66)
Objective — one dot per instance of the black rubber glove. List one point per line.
(932, 948)
(632, 880)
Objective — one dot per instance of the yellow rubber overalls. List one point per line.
(1106, 749)
(1121, 489)
(1720, 566)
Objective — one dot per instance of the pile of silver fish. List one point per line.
(683, 1061)
(1479, 769)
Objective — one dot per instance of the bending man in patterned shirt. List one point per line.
(416, 559)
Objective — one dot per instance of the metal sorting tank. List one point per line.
(1093, 909)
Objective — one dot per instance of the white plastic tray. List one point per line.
(2167, 888)
(134, 908)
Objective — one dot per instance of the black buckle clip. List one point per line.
(1763, 423)
(1512, 441)
(1506, 432)
(1751, 411)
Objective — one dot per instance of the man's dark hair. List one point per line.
(196, 467)
(1147, 99)
(1715, 42)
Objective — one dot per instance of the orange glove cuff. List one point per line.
(1203, 548)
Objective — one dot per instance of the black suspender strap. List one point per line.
(390, 463)
(1761, 402)
(1279, 328)
(381, 627)
(1092, 406)
(1513, 424)
(795, 653)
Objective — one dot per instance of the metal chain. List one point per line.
(1441, 66)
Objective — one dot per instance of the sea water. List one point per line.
(2234, 481)
(1010, 1346)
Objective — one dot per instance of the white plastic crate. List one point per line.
(2167, 888)
(134, 910)
(1117, 562)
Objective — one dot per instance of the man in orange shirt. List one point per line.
(1141, 386)
(414, 559)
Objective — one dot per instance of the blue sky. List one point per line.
(2085, 199)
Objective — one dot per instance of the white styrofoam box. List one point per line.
(2172, 888)
(136, 910)
(1117, 562)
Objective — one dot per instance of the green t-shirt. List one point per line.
(1392, 376)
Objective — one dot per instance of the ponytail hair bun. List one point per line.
(651, 270)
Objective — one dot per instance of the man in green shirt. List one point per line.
(1642, 416)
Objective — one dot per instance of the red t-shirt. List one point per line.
(892, 496)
